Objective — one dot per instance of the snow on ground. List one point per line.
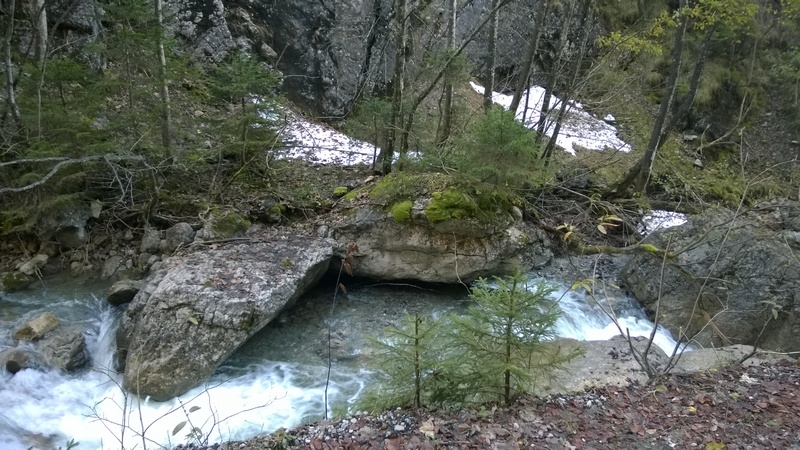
(657, 220)
(318, 143)
(321, 144)
(579, 129)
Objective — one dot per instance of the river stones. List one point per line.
(123, 291)
(34, 264)
(64, 349)
(15, 359)
(37, 327)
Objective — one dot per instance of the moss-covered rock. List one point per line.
(14, 281)
(401, 211)
(225, 224)
(229, 224)
(340, 191)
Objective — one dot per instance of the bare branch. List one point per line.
(63, 162)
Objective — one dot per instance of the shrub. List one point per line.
(500, 151)
(505, 339)
(494, 352)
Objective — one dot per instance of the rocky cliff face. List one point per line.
(332, 52)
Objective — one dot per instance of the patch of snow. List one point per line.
(658, 219)
(580, 129)
(320, 144)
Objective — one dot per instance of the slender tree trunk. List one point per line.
(509, 333)
(541, 126)
(39, 21)
(639, 174)
(446, 121)
(525, 71)
(417, 368)
(571, 89)
(166, 105)
(694, 82)
(396, 125)
(11, 101)
(491, 56)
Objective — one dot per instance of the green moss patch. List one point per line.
(450, 204)
(401, 212)
(340, 191)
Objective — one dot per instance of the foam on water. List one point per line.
(586, 320)
(44, 409)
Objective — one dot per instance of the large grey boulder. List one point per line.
(450, 251)
(65, 222)
(64, 349)
(179, 234)
(731, 278)
(203, 304)
(151, 240)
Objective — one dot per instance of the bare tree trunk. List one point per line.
(166, 105)
(571, 89)
(525, 72)
(541, 126)
(38, 15)
(694, 82)
(446, 121)
(11, 101)
(639, 174)
(398, 84)
(491, 56)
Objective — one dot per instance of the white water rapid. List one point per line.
(277, 380)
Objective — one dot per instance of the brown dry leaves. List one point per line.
(752, 407)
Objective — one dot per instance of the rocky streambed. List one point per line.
(204, 298)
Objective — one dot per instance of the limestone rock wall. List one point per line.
(446, 252)
(732, 277)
